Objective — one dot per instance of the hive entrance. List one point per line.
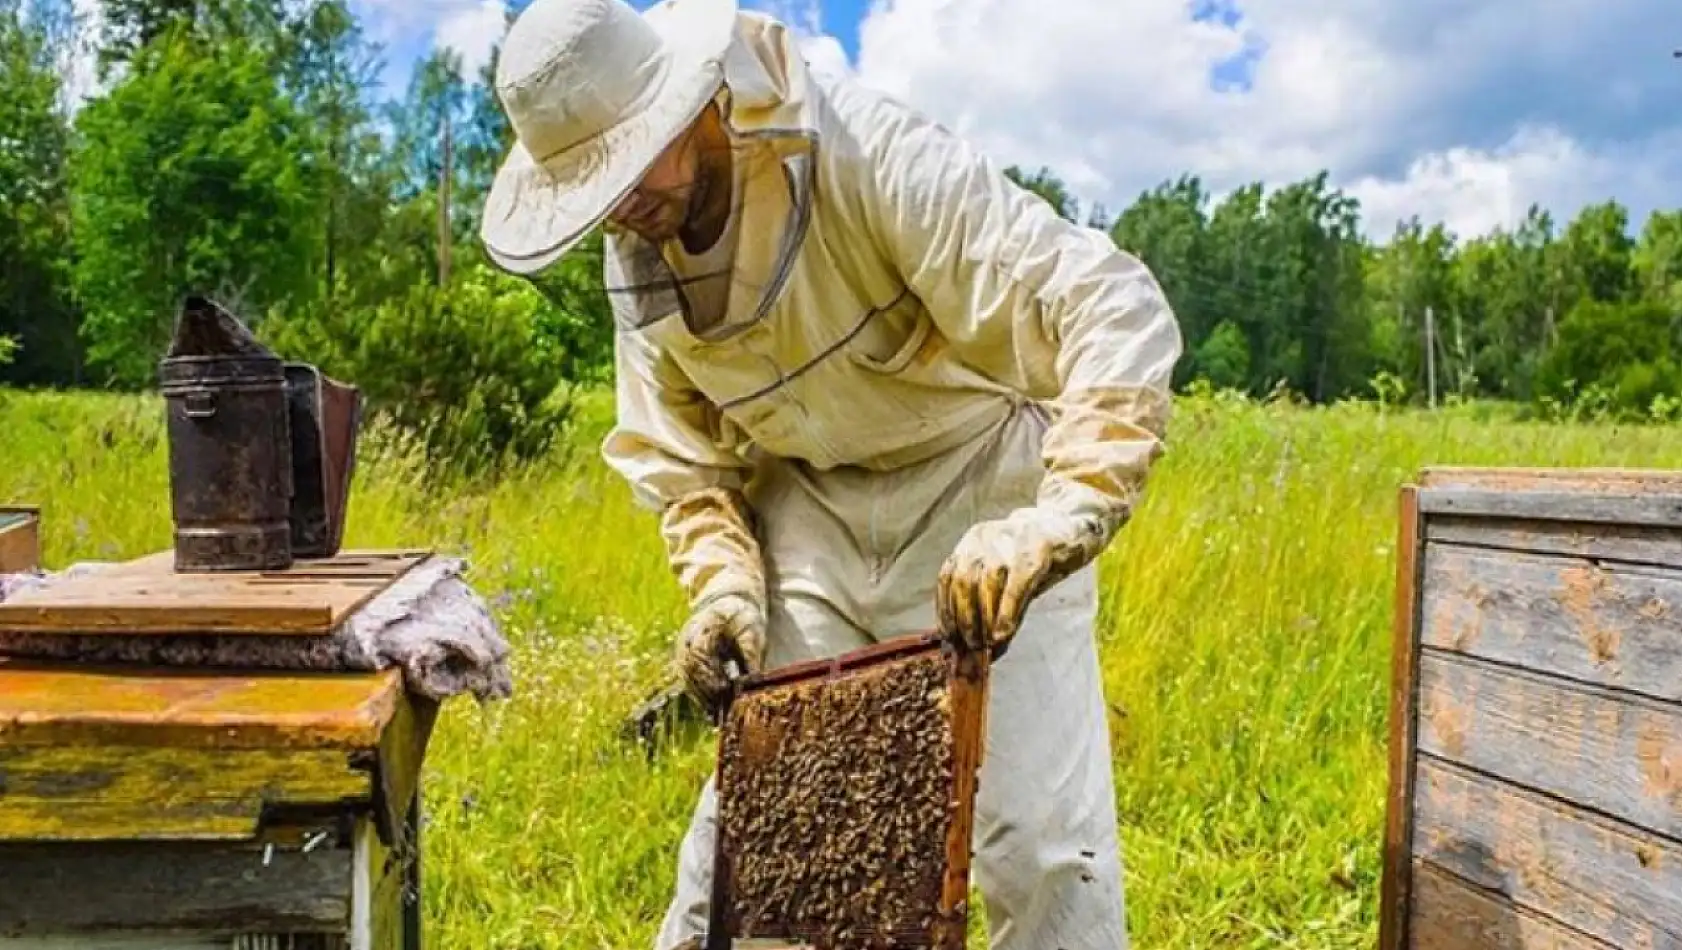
(846, 799)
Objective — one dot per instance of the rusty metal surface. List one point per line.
(54, 704)
(230, 454)
(325, 418)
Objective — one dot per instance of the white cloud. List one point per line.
(470, 27)
(473, 31)
(1466, 113)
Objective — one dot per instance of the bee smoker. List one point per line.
(260, 451)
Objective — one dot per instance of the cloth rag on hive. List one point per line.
(429, 623)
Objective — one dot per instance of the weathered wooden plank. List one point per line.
(398, 768)
(1395, 896)
(58, 705)
(205, 889)
(147, 597)
(1610, 507)
(1618, 626)
(60, 793)
(123, 942)
(1620, 755)
(1605, 879)
(1576, 479)
(1451, 915)
(1629, 544)
(377, 907)
(177, 941)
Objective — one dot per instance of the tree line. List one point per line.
(242, 148)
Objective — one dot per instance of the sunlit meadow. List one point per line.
(1245, 637)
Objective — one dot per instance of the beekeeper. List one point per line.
(869, 384)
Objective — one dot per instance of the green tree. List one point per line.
(1657, 260)
(188, 179)
(332, 74)
(1224, 358)
(1409, 277)
(36, 313)
(1165, 228)
(1598, 253)
(1628, 354)
(1316, 232)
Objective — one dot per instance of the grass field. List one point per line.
(1245, 635)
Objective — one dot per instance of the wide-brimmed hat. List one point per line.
(594, 92)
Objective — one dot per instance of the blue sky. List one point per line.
(1459, 112)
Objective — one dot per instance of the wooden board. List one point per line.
(338, 887)
(1606, 879)
(20, 539)
(1536, 717)
(43, 704)
(759, 729)
(206, 887)
(89, 754)
(1395, 898)
(1590, 620)
(147, 597)
(1455, 915)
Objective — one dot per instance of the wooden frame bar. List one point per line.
(1397, 881)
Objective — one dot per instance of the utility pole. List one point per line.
(444, 234)
(1431, 354)
(1460, 372)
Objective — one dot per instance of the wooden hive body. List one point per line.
(1536, 740)
(846, 800)
(153, 808)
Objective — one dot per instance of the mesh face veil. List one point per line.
(722, 290)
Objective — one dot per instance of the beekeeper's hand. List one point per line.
(731, 627)
(1000, 566)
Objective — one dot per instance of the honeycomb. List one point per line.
(836, 801)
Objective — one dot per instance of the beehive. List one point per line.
(846, 799)
(164, 807)
(1536, 744)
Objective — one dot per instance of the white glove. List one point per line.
(1000, 566)
(730, 627)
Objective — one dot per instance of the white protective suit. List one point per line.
(912, 345)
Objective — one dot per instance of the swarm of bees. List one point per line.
(836, 802)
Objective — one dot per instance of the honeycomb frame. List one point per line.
(846, 799)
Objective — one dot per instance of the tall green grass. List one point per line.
(1245, 633)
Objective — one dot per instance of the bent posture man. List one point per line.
(871, 386)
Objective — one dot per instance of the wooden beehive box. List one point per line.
(846, 800)
(1536, 740)
(148, 807)
(20, 539)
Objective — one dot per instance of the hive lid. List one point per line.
(147, 597)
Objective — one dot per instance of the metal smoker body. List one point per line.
(260, 451)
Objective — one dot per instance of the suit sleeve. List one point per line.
(1038, 302)
(681, 459)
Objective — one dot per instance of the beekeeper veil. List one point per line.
(728, 287)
